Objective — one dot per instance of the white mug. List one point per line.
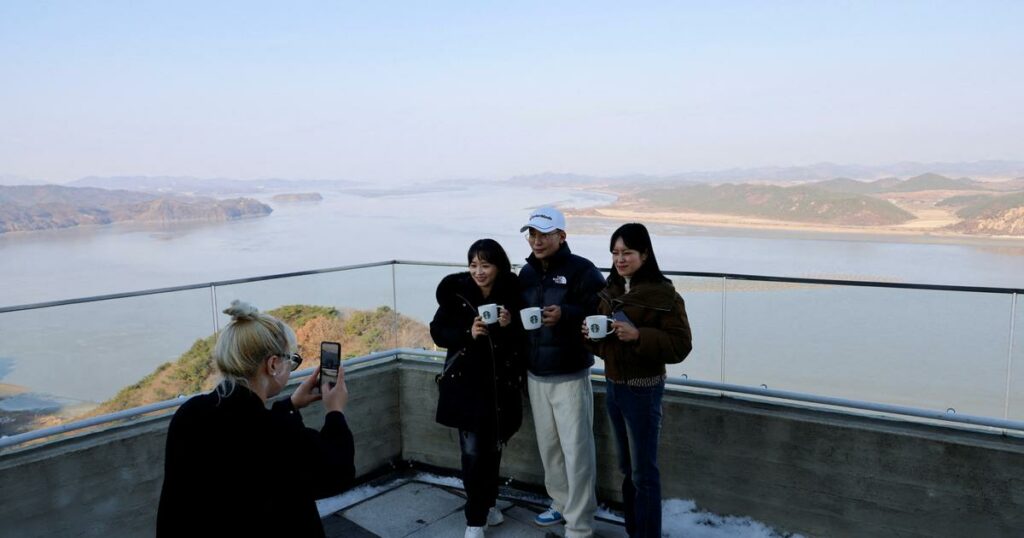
(489, 313)
(598, 326)
(531, 317)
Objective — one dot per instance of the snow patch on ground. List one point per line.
(681, 518)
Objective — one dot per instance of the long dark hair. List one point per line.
(490, 251)
(636, 237)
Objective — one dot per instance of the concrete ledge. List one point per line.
(816, 472)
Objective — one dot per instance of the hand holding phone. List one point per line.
(335, 397)
(330, 362)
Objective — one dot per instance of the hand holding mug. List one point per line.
(551, 314)
(504, 317)
(478, 328)
(597, 327)
(625, 331)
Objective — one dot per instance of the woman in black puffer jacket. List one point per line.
(483, 373)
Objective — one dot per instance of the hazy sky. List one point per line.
(429, 90)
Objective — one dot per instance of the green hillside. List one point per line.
(934, 182)
(797, 204)
(992, 206)
(848, 186)
(359, 332)
(963, 200)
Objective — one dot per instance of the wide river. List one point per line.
(925, 348)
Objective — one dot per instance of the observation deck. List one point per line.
(819, 407)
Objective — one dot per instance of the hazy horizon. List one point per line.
(399, 92)
(998, 169)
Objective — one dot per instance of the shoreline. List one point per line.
(771, 228)
(7, 390)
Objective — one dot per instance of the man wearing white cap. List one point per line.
(565, 286)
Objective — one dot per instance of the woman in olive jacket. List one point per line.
(650, 330)
(483, 373)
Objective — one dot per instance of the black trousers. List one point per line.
(481, 459)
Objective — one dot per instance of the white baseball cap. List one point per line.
(545, 219)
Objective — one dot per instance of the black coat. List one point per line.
(571, 282)
(236, 468)
(482, 379)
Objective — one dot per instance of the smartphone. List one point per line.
(330, 361)
(619, 315)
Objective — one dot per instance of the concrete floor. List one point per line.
(418, 509)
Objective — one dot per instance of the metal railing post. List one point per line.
(213, 308)
(394, 303)
(1009, 356)
(721, 361)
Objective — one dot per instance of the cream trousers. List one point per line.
(563, 413)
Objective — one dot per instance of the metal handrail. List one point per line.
(728, 276)
(17, 439)
(889, 409)
(398, 353)
(203, 285)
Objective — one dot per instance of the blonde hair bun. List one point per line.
(240, 311)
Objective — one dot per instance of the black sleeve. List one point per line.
(446, 329)
(330, 467)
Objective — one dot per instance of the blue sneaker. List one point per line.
(551, 517)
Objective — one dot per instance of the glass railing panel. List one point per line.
(416, 301)
(703, 298)
(922, 348)
(1015, 410)
(354, 307)
(66, 362)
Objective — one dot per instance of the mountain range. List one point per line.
(795, 204)
(992, 169)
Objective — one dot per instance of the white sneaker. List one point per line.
(474, 532)
(548, 518)
(494, 517)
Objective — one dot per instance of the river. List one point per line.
(86, 353)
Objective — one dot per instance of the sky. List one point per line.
(395, 91)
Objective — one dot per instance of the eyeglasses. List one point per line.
(534, 235)
(294, 360)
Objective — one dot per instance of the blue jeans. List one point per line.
(635, 413)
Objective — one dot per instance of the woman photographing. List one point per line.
(650, 330)
(483, 372)
(235, 467)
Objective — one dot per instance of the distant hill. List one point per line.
(991, 206)
(923, 182)
(1001, 215)
(797, 204)
(210, 186)
(852, 186)
(812, 172)
(963, 200)
(29, 207)
(935, 182)
(30, 195)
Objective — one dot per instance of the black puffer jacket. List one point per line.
(482, 379)
(571, 282)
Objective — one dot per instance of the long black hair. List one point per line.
(490, 251)
(636, 237)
